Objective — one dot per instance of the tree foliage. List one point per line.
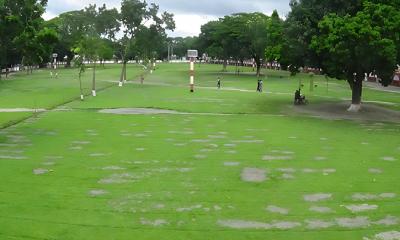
(24, 38)
(364, 43)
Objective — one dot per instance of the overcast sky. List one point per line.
(189, 14)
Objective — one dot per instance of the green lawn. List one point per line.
(233, 164)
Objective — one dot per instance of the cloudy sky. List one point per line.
(189, 14)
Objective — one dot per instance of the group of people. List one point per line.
(259, 84)
(299, 99)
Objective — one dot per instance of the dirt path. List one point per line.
(338, 111)
(14, 110)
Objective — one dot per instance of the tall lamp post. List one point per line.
(55, 55)
(192, 55)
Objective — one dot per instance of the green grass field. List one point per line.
(223, 164)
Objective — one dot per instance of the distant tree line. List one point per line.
(344, 38)
(138, 31)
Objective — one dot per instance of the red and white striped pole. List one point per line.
(191, 74)
(192, 55)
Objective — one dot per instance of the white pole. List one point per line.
(191, 74)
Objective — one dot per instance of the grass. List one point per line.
(166, 176)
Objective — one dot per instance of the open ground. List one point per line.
(155, 161)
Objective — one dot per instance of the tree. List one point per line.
(105, 51)
(255, 36)
(88, 28)
(107, 22)
(238, 36)
(71, 27)
(354, 45)
(23, 35)
(274, 38)
(79, 61)
(75, 25)
(134, 15)
(302, 24)
(88, 48)
(222, 38)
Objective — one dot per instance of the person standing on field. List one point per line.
(219, 83)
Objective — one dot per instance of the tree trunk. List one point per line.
(356, 89)
(258, 64)
(125, 72)
(122, 77)
(94, 80)
(80, 85)
(68, 65)
(225, 64)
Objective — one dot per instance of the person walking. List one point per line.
(219, 83)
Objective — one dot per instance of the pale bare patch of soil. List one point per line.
(338, 111)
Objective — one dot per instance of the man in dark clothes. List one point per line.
(298, 98)
(219, 83)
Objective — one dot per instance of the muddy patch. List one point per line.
(319, 158)
(13, 157)
(200, 156)
(357, 222)
(48, 163)
(189, 209)
(231, 152)
(120, 178)
(200, 140)
(97, 154)
(391, 235)
(15, 110)
(318, 224)
(275, 209)
(375, 171)
(317, 197)
(248, 141)
(76, 148)
(338, 111)
(319, 209)
(275, 157)
(371, 196)
(388, 221)
(97, 192)
(154, 223)
(137, 111)
(113, 168)
(287, 176)
(81, 142)
(309, 170)
(230, 145)
(231, 164)
(40, 171)
(278, 155)
(361, 208)
(389, 159)
(242, 224)
(286, 170)
(216, 136)
(254, 175)
(285, 225)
